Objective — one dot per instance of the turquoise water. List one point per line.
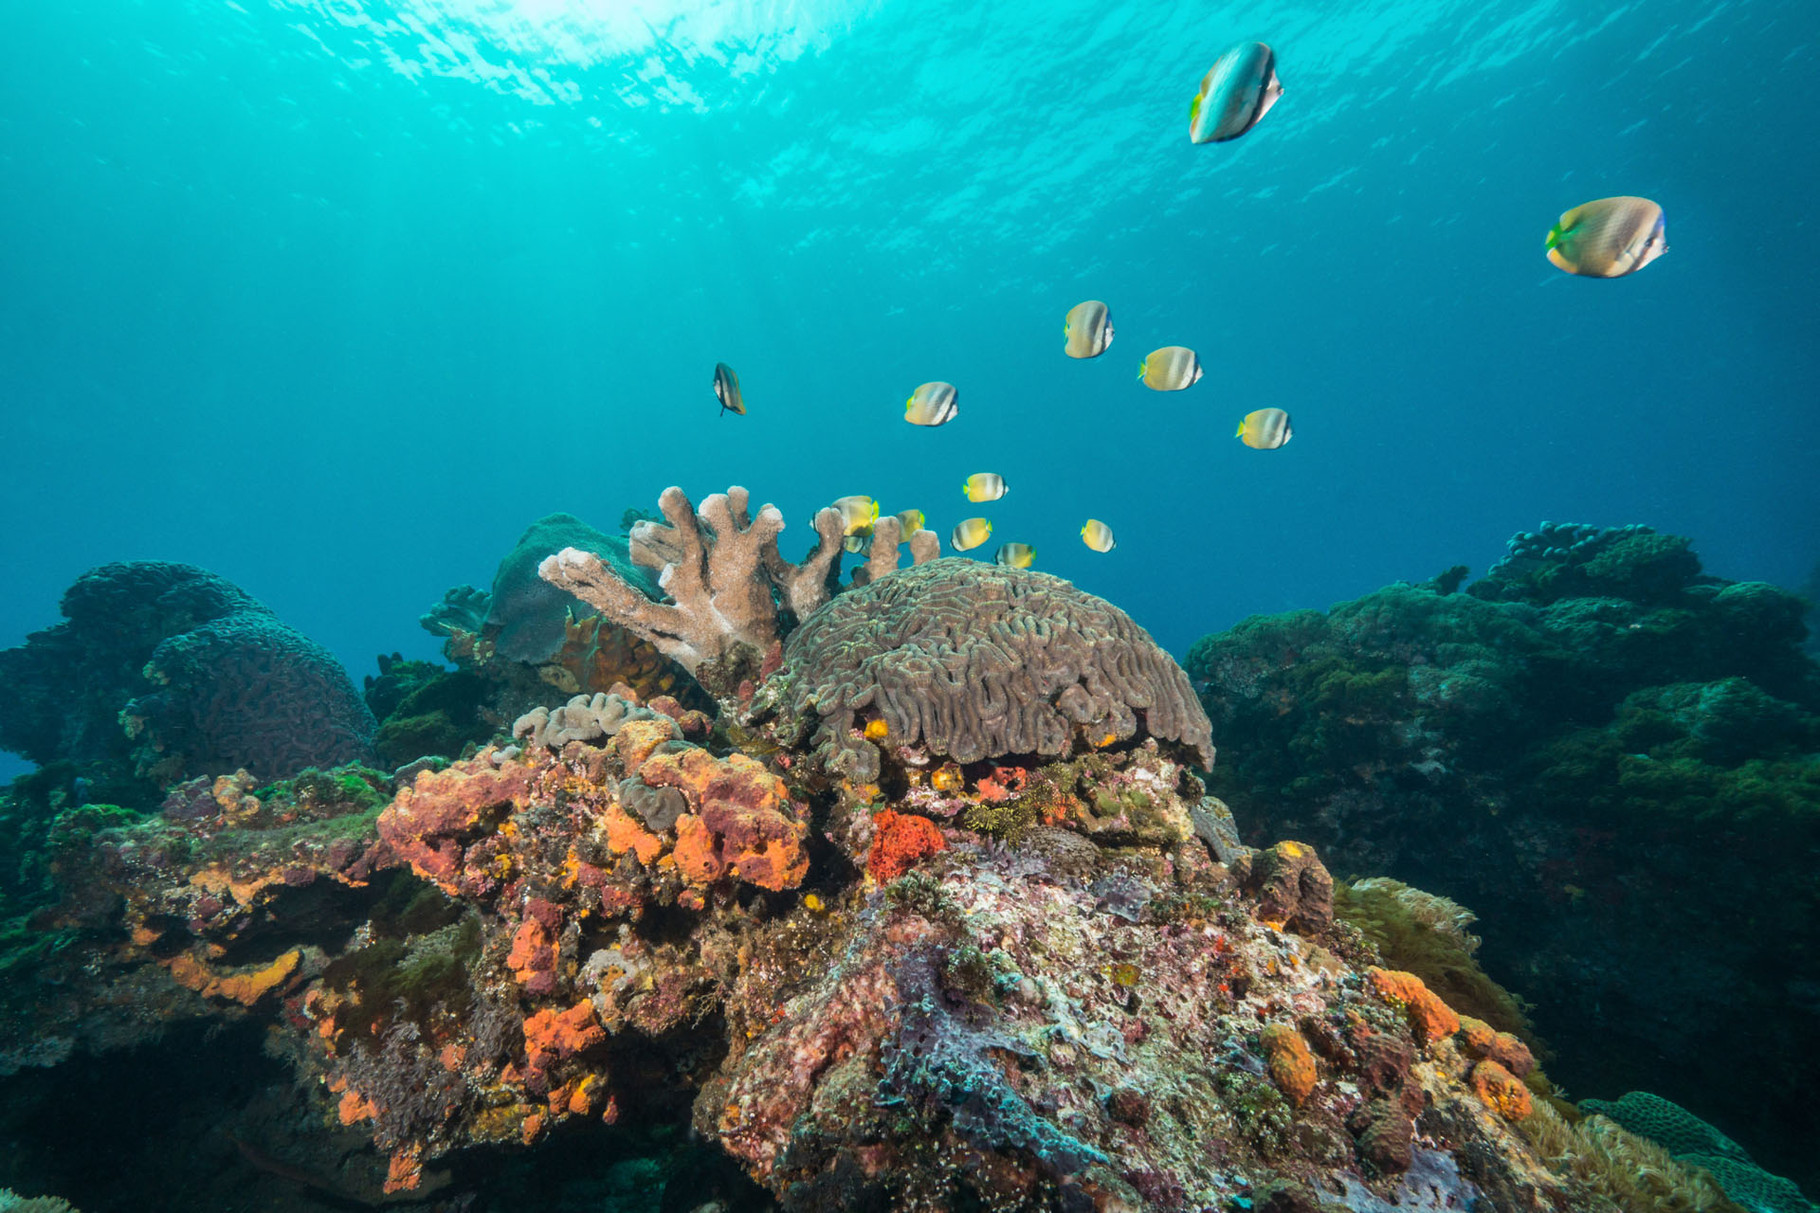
(333, 298)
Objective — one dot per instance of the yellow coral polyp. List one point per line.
(877, 730)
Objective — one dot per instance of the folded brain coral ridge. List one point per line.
(203, 676)
(977, 661)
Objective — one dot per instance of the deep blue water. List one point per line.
(333, 297)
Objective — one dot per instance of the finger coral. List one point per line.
(720, 568)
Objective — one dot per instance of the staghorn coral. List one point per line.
(731, 593)
(525, 614)
(973, 661)
(526, 635)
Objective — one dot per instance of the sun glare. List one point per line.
(542, 50)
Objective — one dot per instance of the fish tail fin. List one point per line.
(1240, 432)
(1554, 237)
(1142, 367)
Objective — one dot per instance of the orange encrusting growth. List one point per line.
(1432, 1019)
(899, 842)
(245, 987)
(1291, 1062)
(552, 1036)
(1501, 1090)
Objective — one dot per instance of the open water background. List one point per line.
(333, 297)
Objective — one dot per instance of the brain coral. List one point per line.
(203, 676)
(976, 661)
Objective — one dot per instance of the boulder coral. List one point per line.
(961, 660)
(163, 671)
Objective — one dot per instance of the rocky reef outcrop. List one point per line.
(1612, 757)
(160, 672)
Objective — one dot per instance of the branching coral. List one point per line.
(728, 585)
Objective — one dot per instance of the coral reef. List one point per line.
(426, 710)
(731, 593)
(955, 659)
(12, 1202)
(201, 677)
(1032, 977)
(515, 642)
(1602, 750)
(1612, 1170)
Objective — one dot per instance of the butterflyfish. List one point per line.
(726, 387)
(1265, 429)
(1087, 331)
(909, 522)
(1170, 369)
(856, 543)
(970, 533)
(1608, 238)
(1016, 555)
(932, 404)
(857, 514)
(1237, 90)
(983, 486)
(1097, 535)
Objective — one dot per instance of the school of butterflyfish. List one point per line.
(1605, 238)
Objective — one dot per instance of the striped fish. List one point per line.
(1087, 330)
(1237, 90)
(932, 404)
(1608, 238)
(1170, 369)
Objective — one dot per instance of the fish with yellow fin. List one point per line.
(857, 514)
(1016, 555)
(1170, 369)
(932, 404)
(909, 522)
(1608, 238)
(1236, 92)
(1097, 535)
(969, 533)
(1265, 429)
(983, 486)
(726, 388)
(1087, 330)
